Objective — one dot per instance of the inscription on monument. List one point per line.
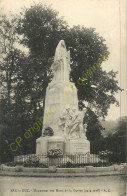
(56, 145)
(79, 147)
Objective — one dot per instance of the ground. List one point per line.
(77, 186)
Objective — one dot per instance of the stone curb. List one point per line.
(60, 175)
(121, 169)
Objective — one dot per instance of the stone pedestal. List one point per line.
(77, 146)
(56, 142)
(43, 144)
(58, 96)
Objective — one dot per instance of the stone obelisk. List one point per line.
(60, 92)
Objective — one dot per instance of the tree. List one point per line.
(94, 131)
(12, 84)
(8, 59)
(41, 29)
(119, 139)
(116, 143)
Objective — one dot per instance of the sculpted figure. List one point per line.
(65, 121)
(61, 65)
(72, 123)
(77, 130)
(60, 51)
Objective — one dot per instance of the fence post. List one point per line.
(88, 157)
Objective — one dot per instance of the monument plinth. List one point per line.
(67, 120)
(77, 146)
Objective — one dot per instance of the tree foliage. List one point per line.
(116, 143)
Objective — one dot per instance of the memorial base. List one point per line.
(77, 146)
(43, 144)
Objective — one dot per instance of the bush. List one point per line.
(31, 162)
(105, 154)
(69, 165)
(11, 164)
(54, 153)
(28, 163)
(81, 165)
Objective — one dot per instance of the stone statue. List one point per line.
(60, 51)
(71, 123)
(65, 121)
(61, 65)
(77, 130)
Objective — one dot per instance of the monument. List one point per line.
(66, 121)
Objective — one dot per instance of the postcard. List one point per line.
(63, 92)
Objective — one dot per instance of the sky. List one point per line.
(108, 18)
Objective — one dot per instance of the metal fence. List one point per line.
(61, 161)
